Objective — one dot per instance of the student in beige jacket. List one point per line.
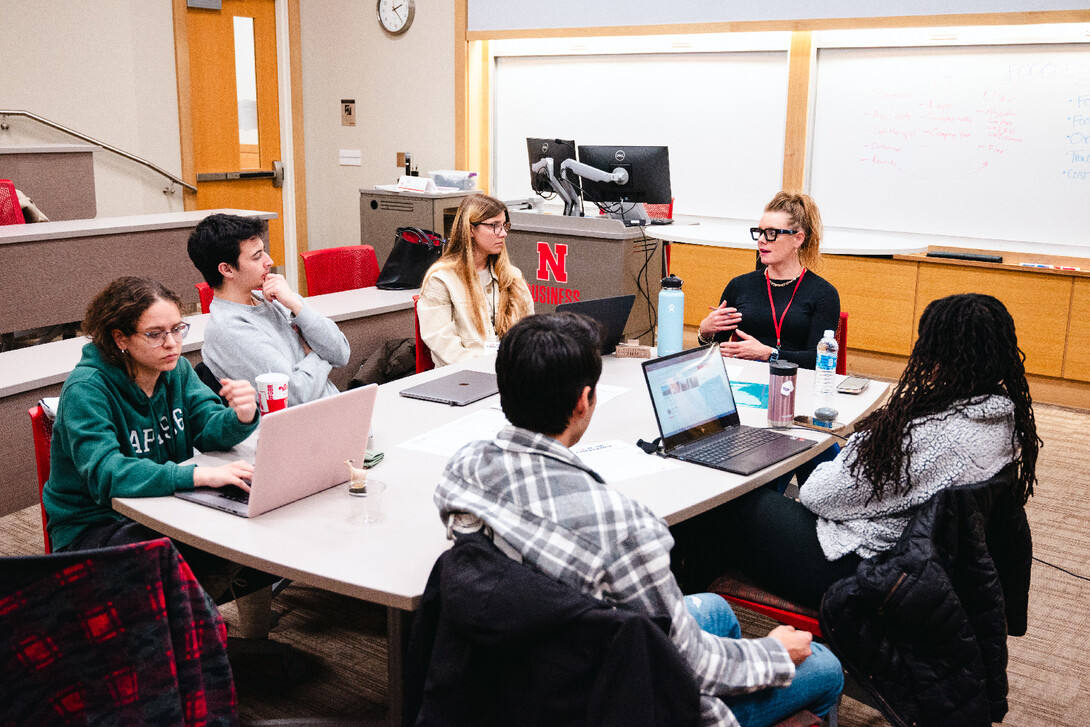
(472, 294)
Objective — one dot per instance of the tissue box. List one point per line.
(454, 178)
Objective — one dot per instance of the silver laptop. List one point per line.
(698, 418)
(611, 314)
(299, 451)
(457, 389)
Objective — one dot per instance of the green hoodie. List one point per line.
(113, 440)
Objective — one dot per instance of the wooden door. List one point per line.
(223, 61)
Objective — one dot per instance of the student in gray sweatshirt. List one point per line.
(258, 324)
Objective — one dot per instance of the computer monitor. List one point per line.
(546, 159)
(641, 174)
(556, 149)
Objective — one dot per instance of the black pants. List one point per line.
(769, 537)
(207, 568)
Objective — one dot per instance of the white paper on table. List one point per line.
(734, 373)
(615, 460)
(608, 392)
(447, 439)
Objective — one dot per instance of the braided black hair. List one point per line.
(967, 348)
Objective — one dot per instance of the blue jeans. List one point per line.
(817, 684)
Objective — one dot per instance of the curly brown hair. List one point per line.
(118, 307)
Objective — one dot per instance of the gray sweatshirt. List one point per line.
(956, 447)
(244, 341)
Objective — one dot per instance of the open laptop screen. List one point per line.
(691, 394)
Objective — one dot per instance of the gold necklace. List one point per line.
(785, 283)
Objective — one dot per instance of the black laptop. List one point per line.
(611, 313)
(698, 418)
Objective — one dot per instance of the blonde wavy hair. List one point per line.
(458, 256)
(804, 214)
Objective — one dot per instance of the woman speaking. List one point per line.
(782, 311)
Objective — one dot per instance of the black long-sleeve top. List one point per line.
(815, 309)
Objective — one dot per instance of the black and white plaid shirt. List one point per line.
(543, 503)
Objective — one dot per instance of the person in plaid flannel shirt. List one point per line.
(543, 506)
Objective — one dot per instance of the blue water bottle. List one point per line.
(671, 315)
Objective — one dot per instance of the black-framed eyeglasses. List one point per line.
(158, 338)
(496, 226)
(770, 233)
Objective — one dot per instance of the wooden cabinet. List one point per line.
(879, 296)
(1077, 350)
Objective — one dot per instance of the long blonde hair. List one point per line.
(804, 213)
(458, 256)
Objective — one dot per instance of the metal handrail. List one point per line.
(131, 157)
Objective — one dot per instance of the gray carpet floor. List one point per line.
(338, 665)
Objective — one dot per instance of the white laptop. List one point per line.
(299, 451)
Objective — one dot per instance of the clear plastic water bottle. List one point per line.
(825, 370)
(671, 315)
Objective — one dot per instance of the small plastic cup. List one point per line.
(366, 501)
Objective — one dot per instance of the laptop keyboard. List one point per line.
(235, 494)
(735, 443)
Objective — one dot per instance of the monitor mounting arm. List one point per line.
(563, 188)
(617, 176)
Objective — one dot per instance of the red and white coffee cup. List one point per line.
(272, 392)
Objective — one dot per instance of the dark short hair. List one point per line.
(543, 363)
(216, 239)
(119, 306)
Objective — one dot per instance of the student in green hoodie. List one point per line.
(130, 411)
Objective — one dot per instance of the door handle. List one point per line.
(276, 174)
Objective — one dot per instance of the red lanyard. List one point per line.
(778, 324)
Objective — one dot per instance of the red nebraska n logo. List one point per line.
(547, 262)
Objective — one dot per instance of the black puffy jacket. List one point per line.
(497, 643)
(923, 626)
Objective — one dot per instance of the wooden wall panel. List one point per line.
(879, 296)
(1077, 351)
(1038, 303)
(705, 271)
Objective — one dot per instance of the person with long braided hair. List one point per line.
(472, 294)
(960, 413)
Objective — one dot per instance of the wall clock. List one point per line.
(395, 16)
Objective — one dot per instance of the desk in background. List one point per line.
(886, 284)
(368, 317)
(383, 211)
(50, 271)
(388, 563)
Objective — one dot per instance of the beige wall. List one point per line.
(106, 69)
(404, 92)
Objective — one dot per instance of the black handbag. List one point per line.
(413, 253)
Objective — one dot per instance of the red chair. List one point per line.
(741, 591)
(842, 344)
(340, 268)
(662, 212)
(206, 293)
(10, 211)
(423, 353)
(42, 428)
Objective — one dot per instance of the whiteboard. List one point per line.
(985, 142)
(722, 115)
